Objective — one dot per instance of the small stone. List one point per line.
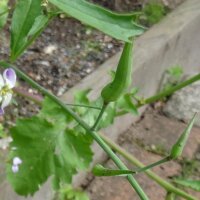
(50, 49)
(184, 103)
(110, 46)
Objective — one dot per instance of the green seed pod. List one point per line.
(122, 80)
(99, 170)
(177, 148)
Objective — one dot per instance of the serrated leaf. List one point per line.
(70, 193)
(3, 12)
(47, 147)
(27, 23)
(119, 26)
(193, 184)
(80, 97)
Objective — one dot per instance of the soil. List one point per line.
(149, 140)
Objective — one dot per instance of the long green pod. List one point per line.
(99, 170)
(177, 148)
(122, 80)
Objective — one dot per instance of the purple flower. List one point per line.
(7, 82)
(15, 168)
(16, 162)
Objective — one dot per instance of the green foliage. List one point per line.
(90, 115)
(47, 147)
(174, 75)
(175, 71)
(119, 26)
(3, 12)
(193, 184)
(2, 132)
(153, 12)
(27, 23)
(177, 148)
(67, 192)
(123, 105)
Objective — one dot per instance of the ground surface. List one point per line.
(148, 140)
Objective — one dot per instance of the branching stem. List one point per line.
(95, 136)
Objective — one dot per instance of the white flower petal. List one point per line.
(2, 83)
(17, 161)
(6, 100)
(15, 168)
(10, 77)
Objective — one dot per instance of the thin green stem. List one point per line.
(84, 106)
(4, 12)
(168, 186)
(96, 137)
(38, 100)
(164, 160)
(169, 91)
(95, 126)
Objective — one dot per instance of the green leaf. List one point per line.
(27, 23)
(99, 170)
(154, 12)
(175, 71)
(177, 148)
(125, 103)
(70, 193)
(47, 147)
(3, 12)
(80, 97)
(193, 184)
(38, 25)
(119, 26)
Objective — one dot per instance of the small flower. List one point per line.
(16, 162)
(7, 82)
(15, 168)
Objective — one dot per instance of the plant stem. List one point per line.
(96, 137)
(95, 126)
(38, 99)
(168, 186)
(169, 91)
(166, 159)
(84, 106)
